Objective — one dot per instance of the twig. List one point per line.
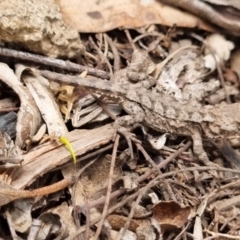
(66, 65)
(130, 39)
(165, 162)
(15, 109)
(102, 200)
(109, 187)
(116, 64)
(151, 184)
(181, 233)
(147, 157)
(78, 175)
(40, 191)
(130, 215)
(221, 235)
(87, 214)
(101, 55)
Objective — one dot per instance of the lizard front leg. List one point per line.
(136, 115)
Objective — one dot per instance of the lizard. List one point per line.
(160, 111)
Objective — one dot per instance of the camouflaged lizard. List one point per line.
(159, 111)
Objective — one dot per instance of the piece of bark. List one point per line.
(50, 155)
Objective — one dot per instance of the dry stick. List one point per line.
(147, 157)
(116, 64)
(102, 200)
(87, 156)
(130, 215)
(151, 162)
(143, 35)
(66, 65)
(78, 175)
(226, 236)
(182, 232)
(130, 39)
(145, 176)
(87, 214)
(151, 184)
(9, 109)
(102, 56)
(109, 187)
(40, 191)
(75, 212)
(105, 45)
(165, 162)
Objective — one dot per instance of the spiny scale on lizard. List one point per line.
(157, 102)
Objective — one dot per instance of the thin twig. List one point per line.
(9, 109)
(109, 187)
(130, 39)
(66, 65)
(116, 64)
(165, 162)
(87, 214)
(101, 54)
(131, 214)
(151, 184)
(181, 233)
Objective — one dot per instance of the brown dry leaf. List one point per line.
(117, 222)
(100, 16)
(170, 215)
(29, 117)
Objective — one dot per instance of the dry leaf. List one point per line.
(170, 215)
(100, 16)
(44, 99)
(29, 118)
(117, 222)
